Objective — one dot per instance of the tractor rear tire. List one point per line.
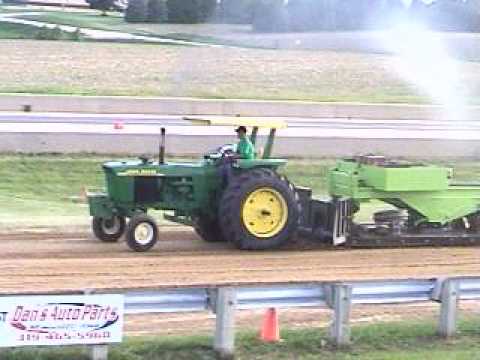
(208, 229)
(475, 223)
(259, 210)
(142, 233)
(108, 230)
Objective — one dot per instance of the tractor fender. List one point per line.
(259, 163)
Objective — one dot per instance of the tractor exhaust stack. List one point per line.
(161, 153)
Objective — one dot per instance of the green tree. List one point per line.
(157, 11)
(190, 11)
(137, 11)
(102, 5)
(452, 15)
(329, 14)
(303, 15)
(314, 15)
(206, 9)
(270, 16)
(385, 13)
(236, 11)
(351, 15)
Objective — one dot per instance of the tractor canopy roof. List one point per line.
(238, 121)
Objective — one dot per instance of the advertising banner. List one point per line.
(60, 320)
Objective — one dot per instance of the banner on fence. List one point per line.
(61, 320)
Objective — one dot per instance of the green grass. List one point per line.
(92, 19)
(7, 8)
(384, 341)
(84, 20)
(20, 31)
(204, 33)
(23, 31)
(44, 190)
(311, 173)
(17, 31)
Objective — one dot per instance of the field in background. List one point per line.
(42, 191)
(49, 67)
(342, 66)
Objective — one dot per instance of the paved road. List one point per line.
(131, 124)
(305, 137)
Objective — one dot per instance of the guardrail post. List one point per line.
(340, 301)
(448, 308)
(99, 352)
(226, 303)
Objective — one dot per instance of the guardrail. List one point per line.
(339, 297)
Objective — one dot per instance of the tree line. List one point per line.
(310, 15)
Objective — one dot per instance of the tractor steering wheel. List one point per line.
(144, 159)
(224, 151)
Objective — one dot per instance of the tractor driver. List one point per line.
(245, 148)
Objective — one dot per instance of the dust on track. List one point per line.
(53, 262)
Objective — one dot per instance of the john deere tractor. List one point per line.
(254, 208)
(259, 209)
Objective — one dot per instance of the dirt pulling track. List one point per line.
(52, 262)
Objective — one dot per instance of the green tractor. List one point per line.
(255, 208)
(426, 206)
(258, 209)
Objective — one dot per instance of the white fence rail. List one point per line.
(339, 297)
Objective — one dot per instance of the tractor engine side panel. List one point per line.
(183, 187)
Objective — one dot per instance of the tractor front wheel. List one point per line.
(259, 210)
(108, 230)
(142, 232)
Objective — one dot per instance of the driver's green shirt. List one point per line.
(246, 149)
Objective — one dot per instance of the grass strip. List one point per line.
(393, 341)
(22, 31)
(17, 31)
(41, 189)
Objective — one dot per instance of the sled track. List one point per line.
(55, 261)
(52, 262)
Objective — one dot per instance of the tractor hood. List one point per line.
(131, 168)
(140, 168)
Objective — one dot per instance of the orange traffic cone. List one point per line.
(270, 330)
(118, 125)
